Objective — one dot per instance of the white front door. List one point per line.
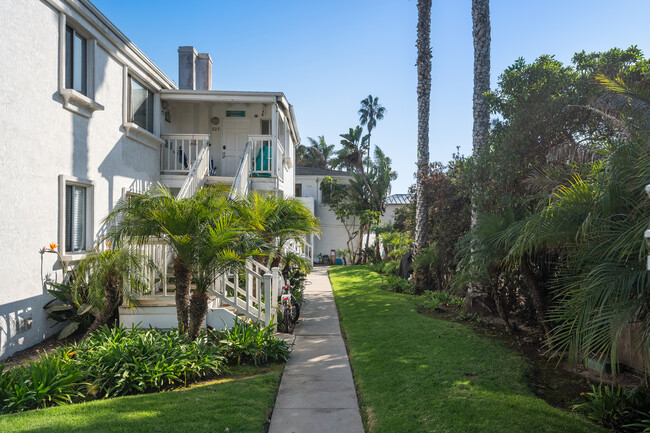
(235, 137)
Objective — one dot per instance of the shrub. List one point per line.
(614, 406)
(119, 361)
(390, 267)
(49, 381)
(399, 285)
(250, 343)
(437, 300)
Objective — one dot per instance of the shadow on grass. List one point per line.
(240, 404)
(419, 374)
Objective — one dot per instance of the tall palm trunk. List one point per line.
(480, 108)
(424, 97)
(183, 278)
(481, 36)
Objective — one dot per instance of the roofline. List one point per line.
(104, 26)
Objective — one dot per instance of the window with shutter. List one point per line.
(75, 218)
(76, 61)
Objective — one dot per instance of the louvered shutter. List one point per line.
(75, 218)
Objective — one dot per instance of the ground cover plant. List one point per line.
(240, 402)
(418, 374)
(117, 362)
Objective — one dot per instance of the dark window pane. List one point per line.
(139, 96)
(75, 218)
(79, 74)
(69, 36)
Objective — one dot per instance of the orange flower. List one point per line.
(53, 246)
(108, 244)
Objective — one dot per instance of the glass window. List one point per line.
(75, 218)
(76, 65)
(140, 105)
(299, 190)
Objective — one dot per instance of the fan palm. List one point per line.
(355, 146)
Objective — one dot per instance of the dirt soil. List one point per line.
(558, 383)
(33, 353)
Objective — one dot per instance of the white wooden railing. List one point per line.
(180, 151)
(240, 185)
(255, 295)
(303, 249)
(261, 156)
(160, 254)
(196, 176)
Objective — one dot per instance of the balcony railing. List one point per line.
(180, 152)
(262, 158)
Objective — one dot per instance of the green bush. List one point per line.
(435, 300)
(399, 285)
(47, 382)
(251, 343)
(390, 267)
(615, 407)
(122, 361)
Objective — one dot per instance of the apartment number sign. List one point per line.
(231, 113)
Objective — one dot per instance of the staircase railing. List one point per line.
(254, 296)
(240, 185)
(180, 151)
(196, 176)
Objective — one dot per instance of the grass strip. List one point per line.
(418, 374)
(241, 402)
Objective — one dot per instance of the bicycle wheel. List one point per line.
(286, 318)
(296, 312)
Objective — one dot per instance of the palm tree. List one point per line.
(481, 37)
(276, 221)
(355, 144)
(157, 213)
(424, 98)
(110, 277)
(223, 246)
(319, 153)
(370, 112)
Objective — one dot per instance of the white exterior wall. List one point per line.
(334, 235)
(42, 140)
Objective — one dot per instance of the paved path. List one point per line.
(317, 393)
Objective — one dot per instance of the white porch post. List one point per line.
(269, 313)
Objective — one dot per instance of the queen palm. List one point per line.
(157, 213)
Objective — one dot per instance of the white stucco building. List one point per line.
(87, 118)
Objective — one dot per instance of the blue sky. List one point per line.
(328, 56)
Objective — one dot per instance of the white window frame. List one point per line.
(77, 102)
(141, 135)
(65, 181)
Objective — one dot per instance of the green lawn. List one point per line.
(417, 374)
(241, 403)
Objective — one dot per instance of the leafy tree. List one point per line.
(370, 112)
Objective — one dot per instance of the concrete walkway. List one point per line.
(317, 393)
